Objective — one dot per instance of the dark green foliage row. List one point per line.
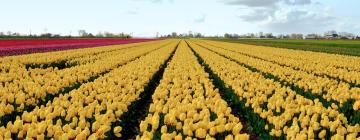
(60, 65)
(347, 108)
(283, 65)
(50, 97)
(138, 110)
(257, 124)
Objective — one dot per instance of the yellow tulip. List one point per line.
(322, 134)
(117, 131)
(200, 133)
(242, 137)
(229, 137)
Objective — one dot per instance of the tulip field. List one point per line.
(337, 46)
(178, 89)
(25, 46)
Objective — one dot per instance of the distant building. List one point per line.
(313, 36)
(269, 35)
(331, 35)
(296, 36)
(261, 35)
(345, 35)
(286, 37)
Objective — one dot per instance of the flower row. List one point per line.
(286, 113)
(26, 46)
(341, 67)
(329, 89)
(186, 105)
(91, 111)
(28, 88)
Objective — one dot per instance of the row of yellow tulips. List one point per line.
(186, 105)
(30, 87)
(90, 111)
(287, 114)
(327, 88)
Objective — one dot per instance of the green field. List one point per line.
(346, 47)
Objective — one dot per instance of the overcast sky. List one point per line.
(144, 18)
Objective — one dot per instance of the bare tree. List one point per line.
(173, 34)
(83, 33)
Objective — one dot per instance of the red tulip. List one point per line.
(16, 47)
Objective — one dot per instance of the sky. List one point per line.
(144, 18)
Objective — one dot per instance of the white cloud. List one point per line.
(300, 21)
(252, 3)
(286, 16)
(165, 16)
(200, 19)
(157, 1)
(260, 14)
(357, 26)
(346, 25)
(266, 3)
(134, 11)
(298, 2)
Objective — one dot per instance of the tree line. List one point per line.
(261, 35)
(81, 34)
